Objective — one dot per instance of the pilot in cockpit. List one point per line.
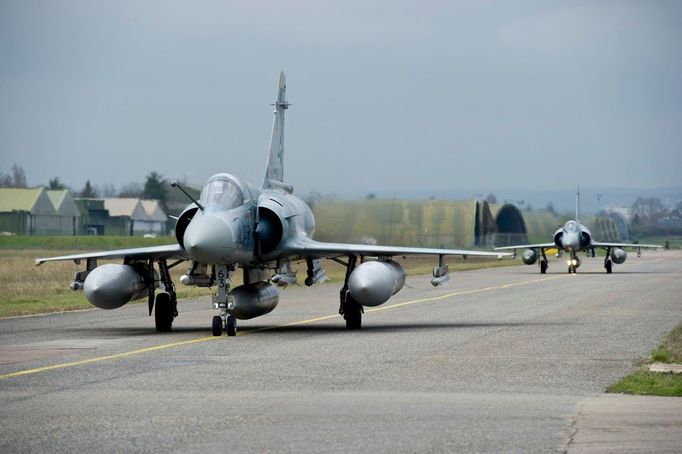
(222, 192)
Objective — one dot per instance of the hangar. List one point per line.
(37, 211)
(424, 223)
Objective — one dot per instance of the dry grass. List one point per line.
(29, 289)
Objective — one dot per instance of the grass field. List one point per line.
(674, 241)
(77, 243)
(29, 289)
(643, 382)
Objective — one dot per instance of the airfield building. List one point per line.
(37, 211)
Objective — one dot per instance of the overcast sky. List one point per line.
(386, 95)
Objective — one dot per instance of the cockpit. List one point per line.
(571, 226)
(221, 190)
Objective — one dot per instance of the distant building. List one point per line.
(122, 216)
(68, 212)
(95, 219)
(129, 212)
(611, 225)
(36, 211)
(156, 218)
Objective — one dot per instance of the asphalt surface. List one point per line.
(502, 359)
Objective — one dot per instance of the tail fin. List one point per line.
(274, 172)
(577, 205)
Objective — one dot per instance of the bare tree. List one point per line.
(17, 179)
(132, 189)
(107, 190)
(649, 209)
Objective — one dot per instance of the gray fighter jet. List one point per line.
(572, 238)
(262, 231)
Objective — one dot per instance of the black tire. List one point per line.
(352, 312)
(231, 326)
(163, 313)
(543, 267)
(217, 326)
(609, 266)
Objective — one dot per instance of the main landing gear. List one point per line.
(349, 308)
(543, 262)
(608, 264)
(166, 304)
(163, 313)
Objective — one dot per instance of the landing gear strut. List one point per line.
(166, 303)
(349, 308)
(607, 261)
(223, 303)
(543, 266)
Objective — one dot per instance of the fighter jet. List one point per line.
(572, 238)
(260, 230)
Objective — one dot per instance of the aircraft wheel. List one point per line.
(609, 266)
(163, 313)
(570, 269)
(543, 267)
(231, 325)
(217, 325)
(352, 312)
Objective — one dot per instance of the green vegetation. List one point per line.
(647, 383)
(643, 382)
(674, 241)
(77, 243)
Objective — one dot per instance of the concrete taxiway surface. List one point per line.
(500, 360)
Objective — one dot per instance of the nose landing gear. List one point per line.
(222, 302)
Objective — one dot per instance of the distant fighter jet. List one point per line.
(572, 238)
(260, 230)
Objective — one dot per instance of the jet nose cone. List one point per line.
(209, 239)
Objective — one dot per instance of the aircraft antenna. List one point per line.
(175, 184)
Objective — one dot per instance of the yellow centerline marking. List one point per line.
(105, 358)
(269, 328)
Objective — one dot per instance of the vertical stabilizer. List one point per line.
(577, 205)
(274, 172)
